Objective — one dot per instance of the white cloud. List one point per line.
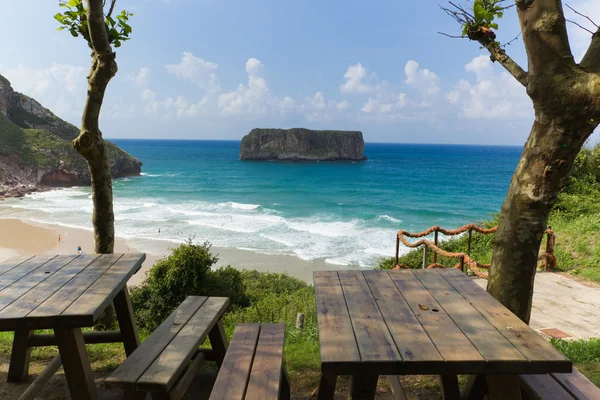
(343, 105)
(141, 79)
(422, 79)
(196, 70)
(318, 101)
(355, 80)
(382, 104)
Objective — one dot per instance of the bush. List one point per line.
(186, 272)
(260, 284)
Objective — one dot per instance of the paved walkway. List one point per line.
(565, 304)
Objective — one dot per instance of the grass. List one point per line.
(585, 355)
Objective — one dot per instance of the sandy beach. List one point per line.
(27, 238)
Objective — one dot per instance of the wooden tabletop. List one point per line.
(73, 290)
(432, 321)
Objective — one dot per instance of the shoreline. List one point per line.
(22, 237)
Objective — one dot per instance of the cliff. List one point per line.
(299, 144)
(36, 150)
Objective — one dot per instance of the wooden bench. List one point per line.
(167, 361)
(559, 387)
(253, 367)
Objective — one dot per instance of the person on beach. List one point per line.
(59, 238)
(78, 249)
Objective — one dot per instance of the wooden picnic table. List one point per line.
(423, 322)
(65, 293)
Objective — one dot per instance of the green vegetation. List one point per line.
(12, 140)
(585, 354)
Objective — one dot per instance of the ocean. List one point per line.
(346, 213)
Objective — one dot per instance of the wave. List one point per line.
(388, 218)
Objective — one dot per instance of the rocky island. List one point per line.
(299, 144)
(36, 150)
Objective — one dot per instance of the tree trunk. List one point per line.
(542, 171)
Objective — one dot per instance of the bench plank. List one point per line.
(578, 385)
(265, 378)
(49, 311)
(488, 341)
(166, 368)
(544, 387)
(12, 262)
(19, 288)
(414, 343)
(336, 337)
(374, 340)
(526, 340)
(452, 344)
(22, 270)
(88, 307)
(128, 373)
(233, 376)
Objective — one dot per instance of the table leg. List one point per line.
(19, 356)
(126, 318)
(450, 389)
(362, 387)
(218, 341)
(475, 388)
(504, 387)
(326, 388)
(76, 363)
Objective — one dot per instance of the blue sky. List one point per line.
(215, 69)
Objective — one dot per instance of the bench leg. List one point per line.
(285, 392)
(475, 388)
(126, 318)
(362, 387)
(19, 356)
(76, 363)
(504, 387)
(218, 341)
(326, 386)
(450, 390)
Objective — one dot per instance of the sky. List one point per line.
(215, 69)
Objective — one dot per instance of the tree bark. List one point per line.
(89, 143)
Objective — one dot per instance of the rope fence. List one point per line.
(465, 262)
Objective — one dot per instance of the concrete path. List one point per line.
(565, 304)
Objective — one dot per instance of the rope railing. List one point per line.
(465, 261)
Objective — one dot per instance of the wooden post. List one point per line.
(76, 363)
(426, 256)
(435, 241)
(19, 357)
(126, 318)
(300, 321)
(397, 248)
(218, 342)
(469, 242)
(462, 264)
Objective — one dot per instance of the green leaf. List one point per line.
(117, 44)
(60, 28)
(74, 3)
(494, 26)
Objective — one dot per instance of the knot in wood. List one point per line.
(84, 140)
(523, 5)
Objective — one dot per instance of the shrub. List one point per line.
(260, 284)
(186, 272)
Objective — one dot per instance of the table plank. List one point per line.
(336, 337)
(411, 339)
(49, 311)
(128, 373)
(22, 270)
(90, 305)
(526, 340)
(12, 262)
(452, 344)
(267, 367)
(578, 385)
(490, 343)
(166, 368)
(374, 340)
(31, 280)
(28, 302)
(235, 371)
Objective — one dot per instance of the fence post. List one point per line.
(461, 262)
(435, 241)
(300, 321)
(397, 248)
(469, 243)
(426, 256)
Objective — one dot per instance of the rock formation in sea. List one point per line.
(299, 144)
(36, 150)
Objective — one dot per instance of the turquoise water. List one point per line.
(345, 212)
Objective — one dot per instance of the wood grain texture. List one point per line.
(374, 340)
(22, 270)
(11, 263)
(47, 313)
(128, 373)
(76, 363)
(526, 340)
(336, 336)
(234, 374)
(450, 341)
(90, 305)
(411, 339)
(543, 387)
(167, 367)
(267, 368)
(578, 385)
(486, 339)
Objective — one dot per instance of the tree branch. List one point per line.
(591, 60)
(112, 7)
(498, 54)
(583, 15)
(97, 27)
(582, 27)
